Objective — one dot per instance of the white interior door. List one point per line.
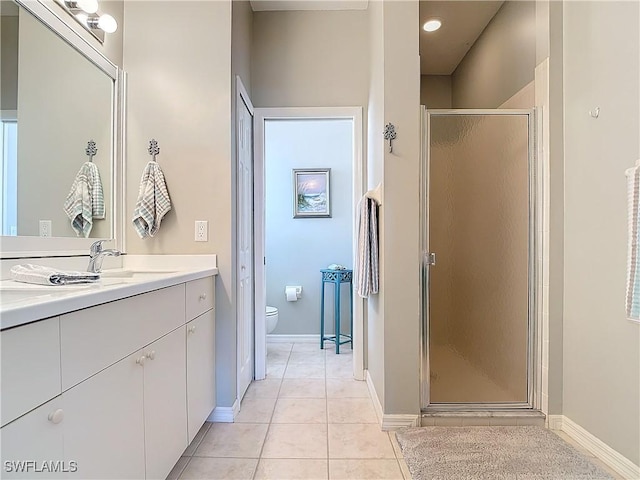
(245, 286)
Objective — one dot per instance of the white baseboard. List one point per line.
(389, 421)
(374, 396)
(274, 338)
(601, 450)
(555, 422)
(394, 422)
(225, 414)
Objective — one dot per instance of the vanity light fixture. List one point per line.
(86, 13)
(432, 25)
(104, 22)
(87, 6)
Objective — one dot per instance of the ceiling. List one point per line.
(273, 5)
(462, 23)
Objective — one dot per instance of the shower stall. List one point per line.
(479, 274)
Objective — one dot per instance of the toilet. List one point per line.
(272, 318)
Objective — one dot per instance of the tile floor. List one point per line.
(307, 420)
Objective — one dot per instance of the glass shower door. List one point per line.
(479, 227)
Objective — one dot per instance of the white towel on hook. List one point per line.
(633, 245)
(153, 201)
(85, 202)
(367, 268)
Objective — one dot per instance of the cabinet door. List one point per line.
(35, 437)
(165, 403)
(201, 371)
(104, 428)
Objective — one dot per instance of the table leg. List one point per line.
(322, 316)
(337, 317)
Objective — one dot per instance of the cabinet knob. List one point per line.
(140, 361)
(202, 296)
(192, 329)
(150, 355)
(56, 416)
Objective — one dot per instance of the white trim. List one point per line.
(597, 447)
(374, 396)
(389, 421)
(397, 421)
(555, 422)
(359, 175)
(225, 414)
(275, 338)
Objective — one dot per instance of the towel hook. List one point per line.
(390, 134)
(154, 149)
(91, 150)
(595, 113)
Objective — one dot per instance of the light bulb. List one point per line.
(107, 23)
(89, 6)
(432, 25)
(83, 18)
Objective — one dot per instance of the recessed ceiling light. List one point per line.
(432, 25)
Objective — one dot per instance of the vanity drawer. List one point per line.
(200, 296)
(94, 338)
(30, 366)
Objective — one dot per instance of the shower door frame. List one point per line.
(534, 242)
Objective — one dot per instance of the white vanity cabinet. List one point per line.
(201, 340)
(128, 385)
(165, 403)
(34, 436)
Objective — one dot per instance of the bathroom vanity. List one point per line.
(111, 380)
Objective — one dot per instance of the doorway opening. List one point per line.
(313, 156)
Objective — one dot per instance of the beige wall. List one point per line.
(180, 94)
(310, 58)
(9, 66)
(374, 325)
(435, 91)
(401, 209)
(601, 347)
(54, 128)
(501, 61)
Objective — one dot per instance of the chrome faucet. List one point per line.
(97, 254)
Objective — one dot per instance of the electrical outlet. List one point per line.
(202, 231)
(45, 228)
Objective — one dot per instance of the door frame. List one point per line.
(358, 169)
(242, 98)
(534, 353)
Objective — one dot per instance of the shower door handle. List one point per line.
(430, 259)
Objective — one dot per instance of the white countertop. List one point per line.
(21, 303)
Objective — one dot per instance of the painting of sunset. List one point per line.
(311, 196)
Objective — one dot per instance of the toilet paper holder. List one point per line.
(289, 290)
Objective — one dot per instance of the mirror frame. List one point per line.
(29, 247)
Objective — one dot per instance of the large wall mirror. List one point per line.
(57, 95)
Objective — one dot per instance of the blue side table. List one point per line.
(337, 277)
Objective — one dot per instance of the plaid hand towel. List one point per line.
(85, 201)
(153, 201)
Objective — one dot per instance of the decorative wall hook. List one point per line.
(91, 150)
(595, 113)
(390, 134)
(154, 149)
